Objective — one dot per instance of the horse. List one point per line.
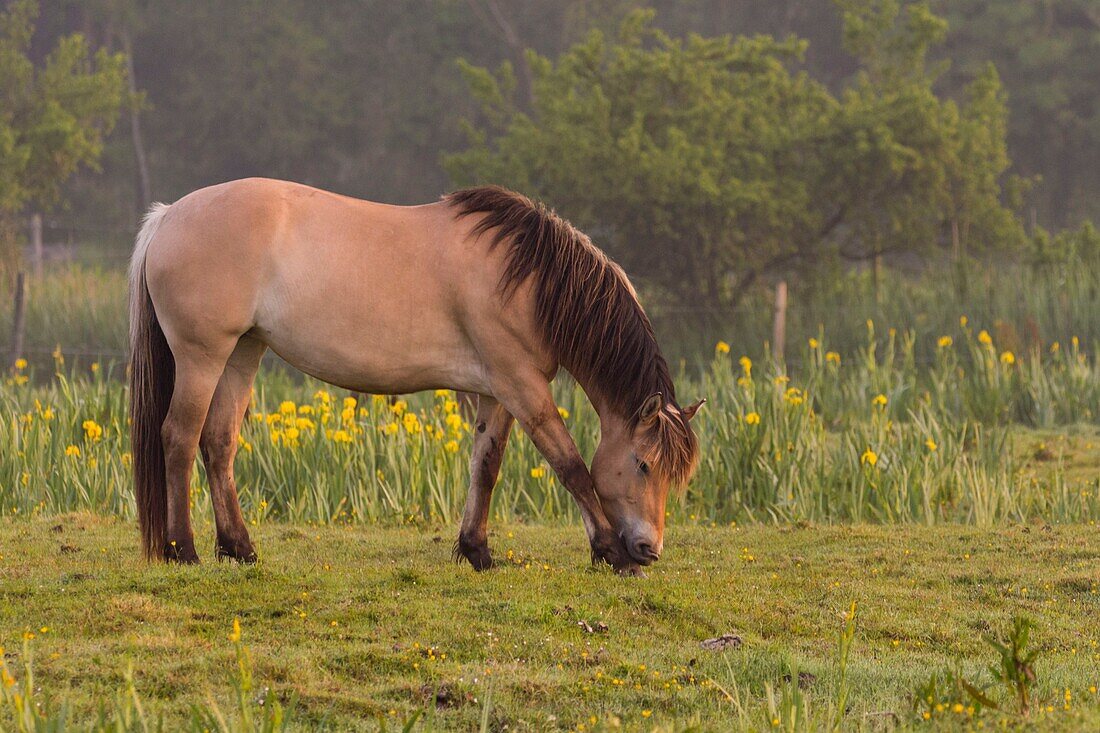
(483, 291)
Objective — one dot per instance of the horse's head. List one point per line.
(637, 462)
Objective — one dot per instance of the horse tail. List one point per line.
(152, 377)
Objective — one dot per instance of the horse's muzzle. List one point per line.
(643, 552)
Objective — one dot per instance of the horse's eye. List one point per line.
(644, 467)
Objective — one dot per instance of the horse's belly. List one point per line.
(378, 357)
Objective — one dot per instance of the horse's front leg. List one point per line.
(538, 414)
(492, 427)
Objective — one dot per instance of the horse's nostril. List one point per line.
(644, 553)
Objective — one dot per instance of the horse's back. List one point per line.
(358, 293)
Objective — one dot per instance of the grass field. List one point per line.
(944, 478)
(368, 626)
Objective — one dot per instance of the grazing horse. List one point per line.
(484, 291)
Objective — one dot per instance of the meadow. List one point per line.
(373, 628)
(943, 475)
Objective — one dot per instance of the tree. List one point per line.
(707, 163)
(1046, 52)
(53, 119)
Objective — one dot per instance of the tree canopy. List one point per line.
(706, 163)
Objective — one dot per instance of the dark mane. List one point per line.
(589, 314)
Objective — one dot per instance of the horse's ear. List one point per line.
(691, 410)
(651, 408)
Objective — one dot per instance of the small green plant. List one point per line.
(950, 692)
(1016, 670)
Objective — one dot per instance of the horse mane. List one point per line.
(589, 314)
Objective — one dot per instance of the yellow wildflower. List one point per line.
(869, 458)
(92, 430)
(984, 337)
(944, 342)
(746, 366)
(833, 357)
(1007, 357)
(411, 423)
(72, 451)
(288, 408)
(794, 395)
(879, 400)
(451, 446)
(20, 364)
(399, 407)
(814, 343)
(341, 436)
(564, 413)
(930, 444)
(390, 428)
(753, 418)
(235, 636)
(721, 348)
(322, 396)
(538, 472)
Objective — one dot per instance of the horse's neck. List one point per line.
(610, 416)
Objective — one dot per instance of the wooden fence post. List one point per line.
(18, 317)
(36, 243)
(779, 328)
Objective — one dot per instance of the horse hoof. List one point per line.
(241, 552)
(477, 554)
(180, 554)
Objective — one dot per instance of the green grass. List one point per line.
(361, 624)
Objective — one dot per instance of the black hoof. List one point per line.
(237, 551)
(181, 553)
(476, 553)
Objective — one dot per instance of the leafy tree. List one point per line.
(707, 163)
(53, 118)
(1047, 52)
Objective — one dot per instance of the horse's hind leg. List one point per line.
(494, 423)
(218, 444)
(198, 369)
